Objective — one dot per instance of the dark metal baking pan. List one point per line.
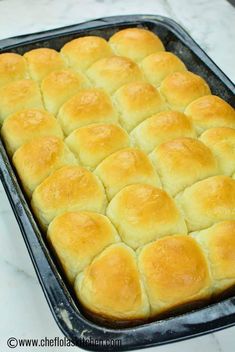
(65, 309)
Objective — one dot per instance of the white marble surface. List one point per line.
(24, 311)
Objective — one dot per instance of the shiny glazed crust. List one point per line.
(128, 162)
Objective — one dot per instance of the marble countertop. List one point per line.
(24, 311)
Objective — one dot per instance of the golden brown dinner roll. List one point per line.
(37, 159)
(181, 162)
(160, 128)
(87, 107)
(135, 43)
(181, 88)
(19, 95)
(125, 167)
(113, 72)
(28, 124)
(71, 188)
(82, 52)
(218, 244)
(221, 140)
(13, 67)
(129, 162)
(159, 65)
(143, 213)
(110, 287)
(93, 143)
(210, 111)
(136, 101)
(175, 272)
(59, 86)
(42, 61)
(207, 202)
(77, 237)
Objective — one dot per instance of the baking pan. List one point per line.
(65, 308)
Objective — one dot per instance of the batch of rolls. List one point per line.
(128, 161)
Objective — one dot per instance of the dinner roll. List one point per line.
(160, 128)
(59, 86)
(82, 52)
(210, 111)
(125, 167)
(128, 162)
(143, 213)
(42, 61)
(221, 140)
(93, 143)
(28, 124)
(175, 272)
(13, 67)
(87, 107)
(110, 287)
(71, 188)
(19, 95)
(181, 162)
(113, 72)
(77, 237)
(218, 243)
(181, 88)
(159, 65)
(135, 43)
(37, 159)
(136, 101)
(208, 201)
